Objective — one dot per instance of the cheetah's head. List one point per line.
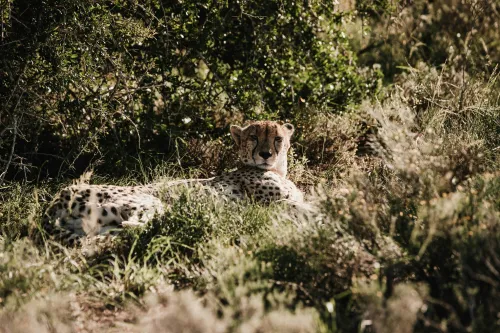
(264, 144)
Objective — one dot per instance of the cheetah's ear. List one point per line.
(289, 127)
(236, 133)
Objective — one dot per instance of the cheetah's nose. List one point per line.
(265, 155)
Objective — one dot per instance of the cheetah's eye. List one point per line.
(278, 139)
(253, 137)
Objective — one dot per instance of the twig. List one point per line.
(4, 173)
(17, 163)
(369, 47)
(82, 150)
(223, 86)
(3, 131)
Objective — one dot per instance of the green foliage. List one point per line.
(404, 234)
(373, 8)
(79, 78)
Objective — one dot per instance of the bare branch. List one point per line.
(7, 165)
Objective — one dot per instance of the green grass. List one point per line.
(404, 235)
(407, 239)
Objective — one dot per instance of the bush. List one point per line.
(462, 34)
(108, 82)
(405, 186)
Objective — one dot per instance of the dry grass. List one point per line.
(404, 235)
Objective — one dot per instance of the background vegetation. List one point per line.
(396, 105)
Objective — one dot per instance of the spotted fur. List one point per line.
(264, 144)
(97, 209)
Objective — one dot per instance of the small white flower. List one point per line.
(329, 307)
(186, 120)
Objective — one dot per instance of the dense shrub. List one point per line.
(404, 232)
(78, 78)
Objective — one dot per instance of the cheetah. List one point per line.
(262, 147)
(88, 210)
